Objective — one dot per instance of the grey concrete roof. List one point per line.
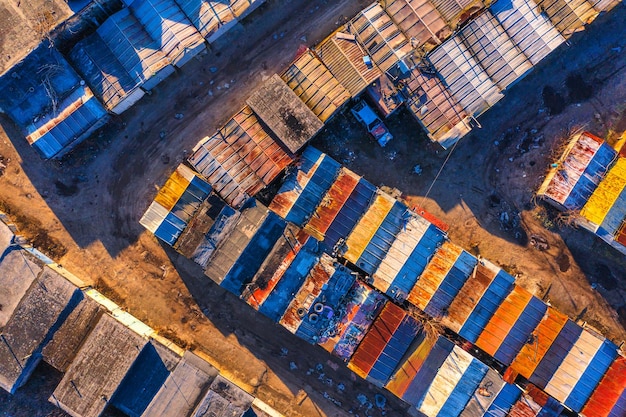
(18, 270)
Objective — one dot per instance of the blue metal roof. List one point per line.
(314, 190)
(356, 205)
(170, 229)
(523, 327)
(554, 356)
(503, 402)
(619, 409)
(591, 177)
(616, 215)
(552, 408)
(382, 240)
(416, 262)
(421, 382)
(451, 284)
(254, 254)
(23, 87)
(277, 302)
(332, 293)
(464, 389)
(497, 291)
(590, 379)
(393, 352)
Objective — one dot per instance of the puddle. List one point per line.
(553, 100)
(64, 189)
(578, 89)
(563, 262)
(605, 277)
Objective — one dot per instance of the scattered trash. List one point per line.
(417, 169)
(226, 86)
(341, 387)
(213, 70)
(554, 165)
(539, 242)
(380, 401)
(303, 38)
(293, 366)
(332, 365)
(331, 399)
(165, 159)
(392, 155)
(283, 352)
(511, 159)
(210, 93)
(495, 142)
(162, 134)
(310, 371)
(362, 399)
(179, 116)
(617, 49)
(319, 367)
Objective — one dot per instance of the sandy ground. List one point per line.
(85, 209)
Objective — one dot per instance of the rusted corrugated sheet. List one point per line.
(433, 105)
(367, 227)
(524, 407)
(568, 15)
(315, 85)
(581, 167)
(407, 372)
(492, 47)
(174, 187)
(573, 370)
(380, 36)
(376, 339)
(303, 300)
(344, 59)
(332, 203)
(606, 196)
(457, 11)
(609, 397)
(484, 395)
(434, 274)
(419, 20)
(539, 342)
(470, 294)
(511, 324)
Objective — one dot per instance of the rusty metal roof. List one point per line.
(609, 397)
(316, 86)
(344, 59)
(419, 20)
(293, 123)
(457, 11)
(380, 36)
(568, 15)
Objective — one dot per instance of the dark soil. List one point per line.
(553, 100)
(578, 89)
(605, 277)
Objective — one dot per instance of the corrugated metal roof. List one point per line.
(301, 306)
(504, 400)
(303, 190)
(316, 86)
(344, 59)
(433, 105)
(482, 312)
(76, 117)
(531, 31)
(362, 307)
(494, 50)
(581, 370)
(568, 15)
(380, 36)
(138, 53)
(384, 345)
(484, 395)
(223, 399)
(539, 342)
(521, 329)
(175, 204)
(332, 203)
(167, 25)
(607, 198)
(348, 216)
(211, 17)
(399, 269)
(554, 356)
(383, 238)
(464, 76)
(105, 74)
(609, 397)
(457, 11)
(419, 20)
(367, 226)
(580, 169)
(602, 5)
(453, 385)
(293, 123)
(332, 303)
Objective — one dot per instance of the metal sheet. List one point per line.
(419, 20)
(456, 11)
(494, 50)
(571, 370)
(607, 198)
(367, 226)
(503, 401)
(385, 43)
(349, 215)
(294, 201)
(568, 15)
(332, 202)
(495, 293)
(539, 342)
(344, 59)
(609, 397)
(483, 395)
(316, 86)
(463, 75)
(451, 388)
(383, 238)
(533, 32)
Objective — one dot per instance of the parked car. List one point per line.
(364, 114)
